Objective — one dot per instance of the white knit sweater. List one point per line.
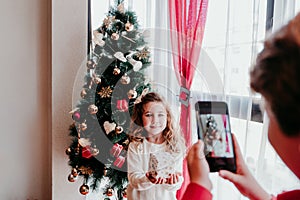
(140, 188)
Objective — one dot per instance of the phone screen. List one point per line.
(213, 127)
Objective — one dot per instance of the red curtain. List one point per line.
(187, 23)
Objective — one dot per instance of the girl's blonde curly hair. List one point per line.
(172, 135)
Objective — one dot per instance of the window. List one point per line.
(234, 34)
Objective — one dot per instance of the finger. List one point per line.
(237, 148)
(197, 150)
(178, 173)
(157, 181)
(176, 178)
(166, 181)
(171, 179)
(228, 176)
(160, 180)
(237, 151)
(201, 147)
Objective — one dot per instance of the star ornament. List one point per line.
(108, 20)
(143, 54)
(85, 170)
(105, 92)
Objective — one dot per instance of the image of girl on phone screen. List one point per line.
(156, 151)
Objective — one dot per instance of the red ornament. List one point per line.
(109, 192)
(116, 150)
(124, 192)
(76, 116)
(119, 161)
(84, 189)
(122, 105)
(86, 152)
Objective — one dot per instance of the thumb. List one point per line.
(228, 176)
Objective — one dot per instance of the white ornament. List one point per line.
(139, 99)
(84, 142)
(120, 56)
(98, 38)
(131, 94)
(109, 127)
(125, 79)
(137, 65)
(93, 109)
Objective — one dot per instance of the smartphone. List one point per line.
(213, 128)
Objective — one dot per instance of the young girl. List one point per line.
(155, 153)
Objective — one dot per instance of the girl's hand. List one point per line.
(243, 179)
(154, 180)
(173, 178)
(151, 178)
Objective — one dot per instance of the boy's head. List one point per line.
(276, 75)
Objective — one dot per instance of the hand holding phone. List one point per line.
(213, 129)
(243, 179)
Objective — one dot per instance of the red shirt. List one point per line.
(291, 195)
(195, 191)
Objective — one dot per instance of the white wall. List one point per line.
(68, 52)
(25, 159)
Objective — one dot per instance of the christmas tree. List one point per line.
(114, 81)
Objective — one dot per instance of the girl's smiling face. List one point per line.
(154, 118)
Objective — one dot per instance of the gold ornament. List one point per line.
(77, 150)
(74, 172)
(84, 189)
(68, 151)
(72, 178)
(115, 36)
(119, 129)
(126, 142)
(83, 93)
(143, 54)
(125, 79)
(92, 109)
(97, 80)
(121, 8)
(116, 71)
(83, 126)
(91, 64)
(131, 94)
(105, 92)
(95, 151)
(108, 20)
(85, 170)
(128, 26)
(105, 172)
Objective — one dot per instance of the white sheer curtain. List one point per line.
(233, 36)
